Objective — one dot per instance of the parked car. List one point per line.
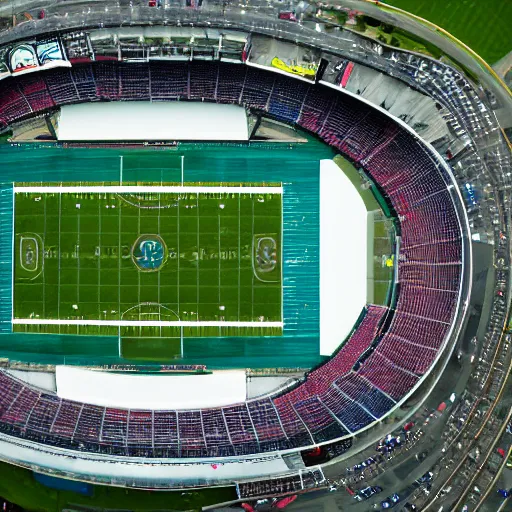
(287, 15)
(427, 477)
(390, 501)
(367, 492)
(420, 457)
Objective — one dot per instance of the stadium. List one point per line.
(240, 247)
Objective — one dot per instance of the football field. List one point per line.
(148, 261)
(36, 301)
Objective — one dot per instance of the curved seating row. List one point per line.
(337, 399)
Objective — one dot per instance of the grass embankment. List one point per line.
(472, 31)
(19, 486)
(483, 25)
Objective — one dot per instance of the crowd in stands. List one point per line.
(347, 393)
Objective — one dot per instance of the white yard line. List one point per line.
(158, 276)
(59, 252)
(145, 188)
(282, 260)
(218, 257)
(119, 258)
(99, 257)
(13, 252)
(138, 273)
(44, 280)
(178, 261)
(137, 323)
(198, 259)
(239, 258)
(77, 249)
(252, 251)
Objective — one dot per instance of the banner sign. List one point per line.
(30, 56)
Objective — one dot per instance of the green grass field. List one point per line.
(146, 262)
(483, 25)
(19, 486)
(382, 242)
(382, 250)
(294, 165)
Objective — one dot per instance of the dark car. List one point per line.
(367, 492)
(420, 457)
(390, 501)
(427, 477)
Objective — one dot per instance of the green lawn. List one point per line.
(382, 250)
(484, 25)
(18, 486)
(295, 165)
(152, 257)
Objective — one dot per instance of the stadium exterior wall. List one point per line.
(137, 473)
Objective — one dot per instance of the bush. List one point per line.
(341, 17)
(360, 23)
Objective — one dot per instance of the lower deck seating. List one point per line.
(389, 377)
(364, 393)
(114, 427)
(320, 379)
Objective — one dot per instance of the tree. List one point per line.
(395, 42)
(360, 23)
(341, 17)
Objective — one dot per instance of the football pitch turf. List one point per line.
(155, 261)
(295, 166)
